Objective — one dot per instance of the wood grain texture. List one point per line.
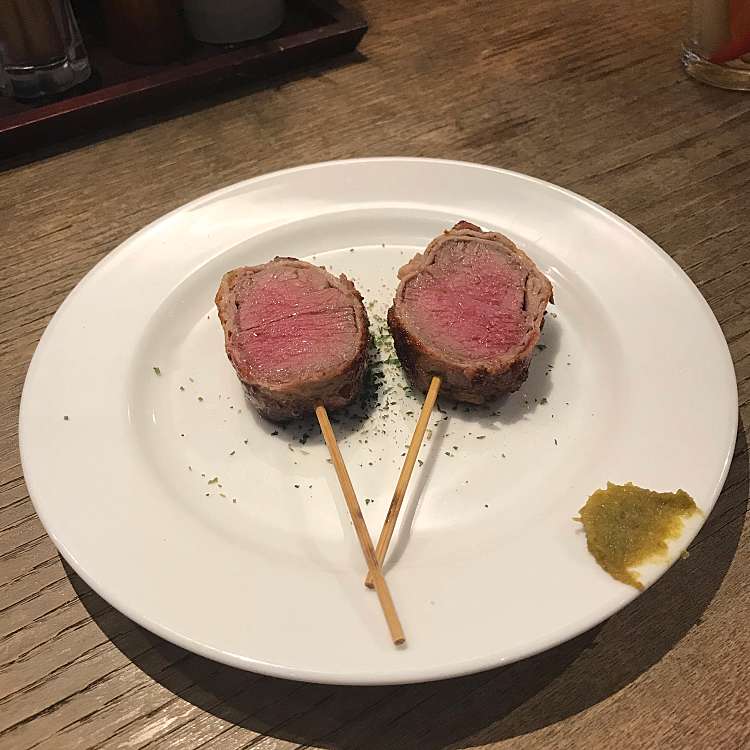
(587, 94)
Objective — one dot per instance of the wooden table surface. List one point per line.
(586, 94)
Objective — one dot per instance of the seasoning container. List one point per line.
(41, 50)
(144, 31)
(232, 21)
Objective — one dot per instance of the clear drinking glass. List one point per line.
(717, 50)
(5, 88)
(41, 49)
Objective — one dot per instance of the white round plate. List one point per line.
(260, 568)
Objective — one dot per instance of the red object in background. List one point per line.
(739, 30)
(144, 31)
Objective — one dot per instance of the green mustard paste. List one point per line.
(627, 525)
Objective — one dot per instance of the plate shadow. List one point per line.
(463, 712)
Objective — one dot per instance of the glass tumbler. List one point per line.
(41, 50)
(717, 50)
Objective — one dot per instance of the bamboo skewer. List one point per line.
(405, 476)
(373, 567)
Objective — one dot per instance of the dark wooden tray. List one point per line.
(312, 30)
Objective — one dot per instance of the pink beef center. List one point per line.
(474, 308)
(291, 328)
